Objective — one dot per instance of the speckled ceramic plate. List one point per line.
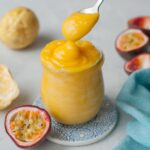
(87, 133)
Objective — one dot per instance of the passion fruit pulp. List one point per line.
(27, 125)
(139, 62)
(131, 42)
(141, 22)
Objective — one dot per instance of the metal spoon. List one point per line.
(94, 9)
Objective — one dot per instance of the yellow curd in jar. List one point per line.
(72, 84)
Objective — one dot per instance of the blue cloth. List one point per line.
(134, 99)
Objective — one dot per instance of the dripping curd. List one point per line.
(78, 25)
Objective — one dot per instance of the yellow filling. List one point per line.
(78, 24)
(27, 125)
(69, 55)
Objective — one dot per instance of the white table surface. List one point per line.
(26, 68)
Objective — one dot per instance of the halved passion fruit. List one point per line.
(139, 62)
(27, 125)
(141, 22)
(131, 42)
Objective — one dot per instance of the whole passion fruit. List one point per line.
(131, 42)
(139, 62)
(19, 28)
(27, 125)
(141, 22)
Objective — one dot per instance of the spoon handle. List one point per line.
(98, 4)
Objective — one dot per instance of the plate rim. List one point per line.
(82, 143)
(88, 141)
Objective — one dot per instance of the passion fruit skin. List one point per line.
(129, 71)
(126, 70)
(140, 19)
(127, 55)
(42, 138)
(130, 55)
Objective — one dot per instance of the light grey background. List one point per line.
(26, 68)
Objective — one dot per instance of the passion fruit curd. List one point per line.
(78, 25)
(72, 84)
(70, 56)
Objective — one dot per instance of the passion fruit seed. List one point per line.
(27, 125)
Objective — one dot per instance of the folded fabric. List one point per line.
(134, 99)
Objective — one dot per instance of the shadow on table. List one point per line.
(40, 42)
(22, 99)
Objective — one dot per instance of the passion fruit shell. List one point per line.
(140, 22)
(27, 125)
(139, 62)
(9, 90)
(131, 42)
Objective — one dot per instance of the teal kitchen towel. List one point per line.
(134, 99)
